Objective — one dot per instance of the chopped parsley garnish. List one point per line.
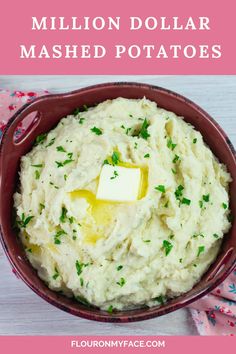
(127, 131)
(201, 203)
(63, 215)
(119, 267)
(166, 204)
(37, 174)
(186, 201)
(194, 140)
(144, 130)
(59, 164)
(215, 235)
(40, 139)
(170, 144)
(196, 235)
(81, 282)
(65, 162)
(51, 142)
(160, 299)
(173, 171)
(171, 236)
(167, 247)
(206, 198)
(122, 126)
(179, 192)
(224, 205)
(115, 157)
(147, 241)
(115, 175)
(230, 217)
(61, 149)
(201, 249)
(57, 237)
(24, 221)
(146, 156)
(52, 184)
(121, 282)
(79, 267)
(76, 112)
(96, 131)
(106, 162)
(38, 165)
(175, 159)
(71, 219)
(180, 260)
(110, 309)
(81, 120)
(56, 274)
(161, 188)
(135, 145)
(130, 115)
(29, 250)
(65, 177)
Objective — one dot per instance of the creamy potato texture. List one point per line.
(119, 255)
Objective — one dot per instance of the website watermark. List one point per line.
(134, 343)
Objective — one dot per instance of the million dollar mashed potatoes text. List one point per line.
(119, 254)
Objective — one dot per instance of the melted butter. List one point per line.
(37, 249)
(100, 210)
(52, 248)
(90, 236)
(143, 183)
(34, 248)
(103, 211)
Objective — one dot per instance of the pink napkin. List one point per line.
(214, 314)
(10, 102)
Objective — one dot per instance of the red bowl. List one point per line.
(49, 110)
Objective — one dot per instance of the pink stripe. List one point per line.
(168, 345)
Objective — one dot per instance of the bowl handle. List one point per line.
(17, 119)
(9, 144)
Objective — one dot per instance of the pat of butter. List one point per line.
(119, 184)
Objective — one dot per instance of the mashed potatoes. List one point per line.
(119, 255)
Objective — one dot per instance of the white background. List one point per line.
(22, 311)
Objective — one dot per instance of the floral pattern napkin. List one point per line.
(214, 314)
(10, 102)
